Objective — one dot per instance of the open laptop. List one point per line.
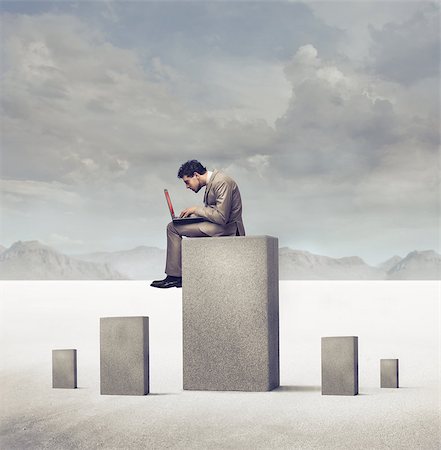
(180, 220)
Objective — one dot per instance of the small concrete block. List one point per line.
(340, 365)
(124, 355)
(230, 313)
(64, 368)
(389, 373)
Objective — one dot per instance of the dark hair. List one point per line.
(190, 167)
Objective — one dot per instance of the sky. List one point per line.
(325, 113)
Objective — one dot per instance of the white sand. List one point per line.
(391, 319)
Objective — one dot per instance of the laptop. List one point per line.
(180, 220)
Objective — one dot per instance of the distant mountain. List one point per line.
(2, 248)
(389, 263)
(417, 265)
(140, 263)
(32, 260)
(302, 265)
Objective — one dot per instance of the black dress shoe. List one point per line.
(168, 282)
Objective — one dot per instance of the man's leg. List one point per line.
(173, 265)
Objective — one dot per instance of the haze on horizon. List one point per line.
(326, 114)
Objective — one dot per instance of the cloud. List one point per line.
(354, 20)
(335, 123)
(58, 240)
(343, 121)
(328, 153)
(350, 157)
(85, 123)
(31, 193)
(77, 104)
(197, 30)
(408, 51)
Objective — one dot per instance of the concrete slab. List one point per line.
(389, 373)
(64, 368)
(230, 313)
(340, 365)
(124, 355)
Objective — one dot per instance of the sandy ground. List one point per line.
(392, 320)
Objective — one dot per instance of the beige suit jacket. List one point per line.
(223, 204)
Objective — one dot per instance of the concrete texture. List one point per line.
(340, 365)
(64, 368)
(389, 373)
(230, 313)
(124, 355)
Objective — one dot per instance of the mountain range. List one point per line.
(140, 263)
(32, 260)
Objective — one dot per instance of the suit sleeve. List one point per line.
(220, 212)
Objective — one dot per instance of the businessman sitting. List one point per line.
(222, 212)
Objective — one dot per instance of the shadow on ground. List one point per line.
(297, 389)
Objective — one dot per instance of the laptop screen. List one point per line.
(169, 203)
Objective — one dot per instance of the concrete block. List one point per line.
(64, 368)
(340, 365)
(231, 313)
(389, 373)
(124, 355)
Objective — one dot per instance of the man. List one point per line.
(222, 212)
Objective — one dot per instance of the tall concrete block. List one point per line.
(64, 368)
(389, 373)
(124, 355)
(340, 365)
(230, 299)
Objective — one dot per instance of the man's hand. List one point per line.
(188, 211)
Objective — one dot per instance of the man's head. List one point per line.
(194, 175)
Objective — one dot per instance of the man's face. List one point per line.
(193, 182)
